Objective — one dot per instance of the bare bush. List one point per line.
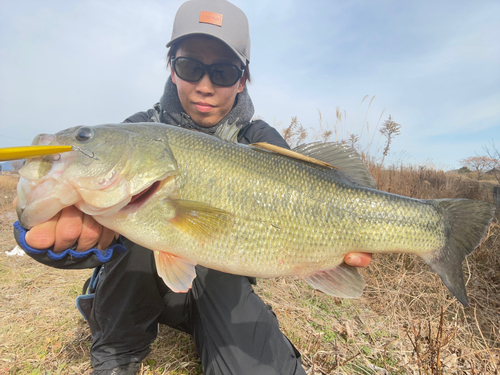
(493, 152)
(389, 130)
(479, 164)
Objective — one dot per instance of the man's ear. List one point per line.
(241, 84)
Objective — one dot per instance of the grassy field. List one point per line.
(406, 322)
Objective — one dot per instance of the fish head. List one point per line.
(109, 167)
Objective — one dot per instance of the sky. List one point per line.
(433, 66)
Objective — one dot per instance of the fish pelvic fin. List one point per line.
(466, 224)
(343, 281)
(200, 220)
(176, 272)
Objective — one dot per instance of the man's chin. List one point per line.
(205, 122)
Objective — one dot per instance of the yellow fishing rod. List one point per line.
(27, 152)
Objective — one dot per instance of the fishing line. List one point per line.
(91, 155)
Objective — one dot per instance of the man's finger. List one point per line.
(68, 229)
(43, 236)
(106, 239)
(358, 259)
(91, 232)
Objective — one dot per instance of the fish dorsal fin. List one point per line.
(342, 156)
(228, 132)
(176, 272)
(200, 220)
(291, 154)
(343, 281)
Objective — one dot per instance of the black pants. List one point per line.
(233, 330)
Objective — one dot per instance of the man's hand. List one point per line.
(358, 259)
(66, 228)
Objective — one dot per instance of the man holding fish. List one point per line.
(234, 331)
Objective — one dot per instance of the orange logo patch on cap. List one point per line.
(211, 18)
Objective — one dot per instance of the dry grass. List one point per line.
(8, 185)
(405, 323)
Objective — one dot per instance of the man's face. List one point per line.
(205, 102)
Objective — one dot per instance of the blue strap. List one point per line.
(85, 301)
(81, 300)
(102, 256)
(94, 279)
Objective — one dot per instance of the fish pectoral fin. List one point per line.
(228, 132)
(200, 220)
(343, 281)
(176, 272)
(291, 154)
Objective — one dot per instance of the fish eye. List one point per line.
(84, 134)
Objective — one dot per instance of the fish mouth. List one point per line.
(140, 198)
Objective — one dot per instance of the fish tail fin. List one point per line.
(467, 223)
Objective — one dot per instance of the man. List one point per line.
(234, 331)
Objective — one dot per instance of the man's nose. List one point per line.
(205, 85)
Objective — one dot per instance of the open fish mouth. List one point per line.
(147, 194)
(139, 199)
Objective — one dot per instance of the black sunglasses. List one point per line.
(192, 70)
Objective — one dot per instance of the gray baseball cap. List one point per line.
(217, 18)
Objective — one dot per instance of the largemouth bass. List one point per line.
(199, 199)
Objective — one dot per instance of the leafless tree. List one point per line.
(479, 164)
(494, 154)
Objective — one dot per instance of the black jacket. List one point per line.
(255, 131)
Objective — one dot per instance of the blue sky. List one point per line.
(434, 66)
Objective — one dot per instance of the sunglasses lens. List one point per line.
(189, 69)
(224, 74)
(192, 70)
